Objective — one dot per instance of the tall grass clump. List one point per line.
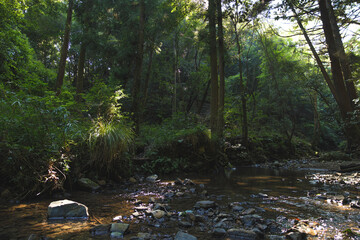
(108, 141)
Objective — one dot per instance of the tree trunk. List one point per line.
(138, 68)
(204, 96)
(214, 106)
(64, 50)
(341, 86)
(221, 121)
(344, 89)
(242, 88)
(147, 78)
(316, 135)
(174, 106)
(80, 74)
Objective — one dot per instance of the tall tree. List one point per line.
(341, 73)
(236, 20)
(64, 49)
(138, 67)
(340, 82)
(214, 103)
(221, 51)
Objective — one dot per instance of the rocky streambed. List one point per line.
(253, 203)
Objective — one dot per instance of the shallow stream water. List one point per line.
(290, 196)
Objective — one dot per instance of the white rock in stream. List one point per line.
(67, 209)
(152, 178)
(205, 204)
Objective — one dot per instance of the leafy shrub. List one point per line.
(35, 131)
(174, 145)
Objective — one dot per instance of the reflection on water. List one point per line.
(286, 191)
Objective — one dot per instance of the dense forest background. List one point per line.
(107, 88)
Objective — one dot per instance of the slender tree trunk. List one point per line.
(204, 96)
(221, 121)
(316, 135)
(174, 107)
(214, 106)
(80, 74)
(242, 88)
(138, 68)
(147, 78)
(64, 49)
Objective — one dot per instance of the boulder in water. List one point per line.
(67, 209)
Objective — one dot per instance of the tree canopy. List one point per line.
(130, 78)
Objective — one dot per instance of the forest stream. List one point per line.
(271, 200)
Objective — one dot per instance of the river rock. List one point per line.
(102, 229)
(88, 184)
(143, 236)
(152, 178)
(117, 235)
(184, 224)
(296, 236)
(239, 233)
(188, 182)
(33, 237)
(178, 181)
(184, 236)
(276, 237)
(119, 227)
(67, 209)
(248, 211)
(218, 232)
(158, 214)
(205, 204)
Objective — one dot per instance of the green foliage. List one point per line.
(165, 165)
(174, 129)
(108, 140)
(335, 156)
(36, 133)
(174, 145)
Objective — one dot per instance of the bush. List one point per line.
(176, 144)
(108, 141)
(35, 132)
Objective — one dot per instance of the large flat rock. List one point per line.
(184, 236)
(67, 209)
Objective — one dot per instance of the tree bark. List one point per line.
(138, 68)
(147, 78)
(204, 96)
(214, 106)
(341, 85)
(345, 91)
(80, 74)
(174, 105)
(316, 135)
(64, 49)
(221, 121)
(242, 87)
